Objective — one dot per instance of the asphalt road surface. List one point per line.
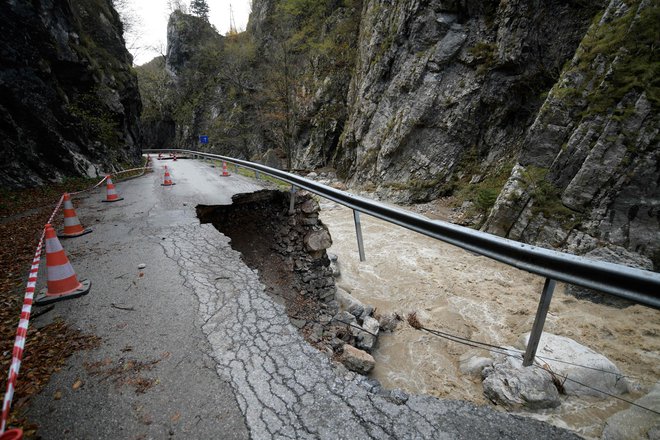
(195, 348)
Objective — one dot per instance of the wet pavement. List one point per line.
(195, 347)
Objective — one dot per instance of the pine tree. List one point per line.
(200, 8)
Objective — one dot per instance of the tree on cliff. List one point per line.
(200, 8)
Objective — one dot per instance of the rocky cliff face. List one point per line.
(444, 90)
(187, 37)
(179, 90)
(70, 104)
(543, 116)
(588, 175)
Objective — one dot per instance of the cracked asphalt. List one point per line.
(223, 360)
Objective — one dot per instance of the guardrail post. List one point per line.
(256, 174)
(292, 201)
(358, 232)
(539, 322)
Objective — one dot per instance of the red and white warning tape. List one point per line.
(90, 188)
(21, 332)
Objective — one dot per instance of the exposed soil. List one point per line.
(253, 223)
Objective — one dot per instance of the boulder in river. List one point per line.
(636, 422)
(510, 384)
(580, 364)
(357, 360)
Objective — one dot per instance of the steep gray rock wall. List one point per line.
(187, 36)
(588, 175)
(70, 104)
(261, 12)
(324, 110)
(444, 87)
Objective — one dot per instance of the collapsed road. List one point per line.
(192, 344)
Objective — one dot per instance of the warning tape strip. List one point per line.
(21, 332)
(90, 188)
(23, 323)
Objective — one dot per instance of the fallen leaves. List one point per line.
(22, 217)
(126, 372)
(76, 385)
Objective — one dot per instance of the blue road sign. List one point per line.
(204, 139)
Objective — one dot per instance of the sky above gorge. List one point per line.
(150, 38)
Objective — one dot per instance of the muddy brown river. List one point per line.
(474, 297)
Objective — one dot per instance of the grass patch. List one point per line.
(485, 54)
(628, 47)
(483, 194)
(285, 186)
(547, 198)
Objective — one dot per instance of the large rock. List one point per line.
(366, 338)
(473, 364)
(357, 360)
(580, 364)
(636, 422)
(317, 241)
(510, 384)
(310, 206)
(348, 302)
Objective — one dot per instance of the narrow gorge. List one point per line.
(537, 122)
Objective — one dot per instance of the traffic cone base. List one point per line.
(44, 298)
(83, 232)
(12, 434)
(168, 184)
(114, 200)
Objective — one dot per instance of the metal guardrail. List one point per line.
(636, 285)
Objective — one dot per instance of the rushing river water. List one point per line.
(474, 297)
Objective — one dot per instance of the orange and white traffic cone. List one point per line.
(62, 280)
(167, 181)
(174, 157)
(160, 156)
(225, 173)
(112, 195)
(72, 226)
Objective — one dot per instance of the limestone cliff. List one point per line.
(179, 90)
(70, 104)
(444, 90)
(588, 175)
(540, 116)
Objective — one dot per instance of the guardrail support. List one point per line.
(292, 201)
(256, 174)
(539, 322)
(358, 232)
